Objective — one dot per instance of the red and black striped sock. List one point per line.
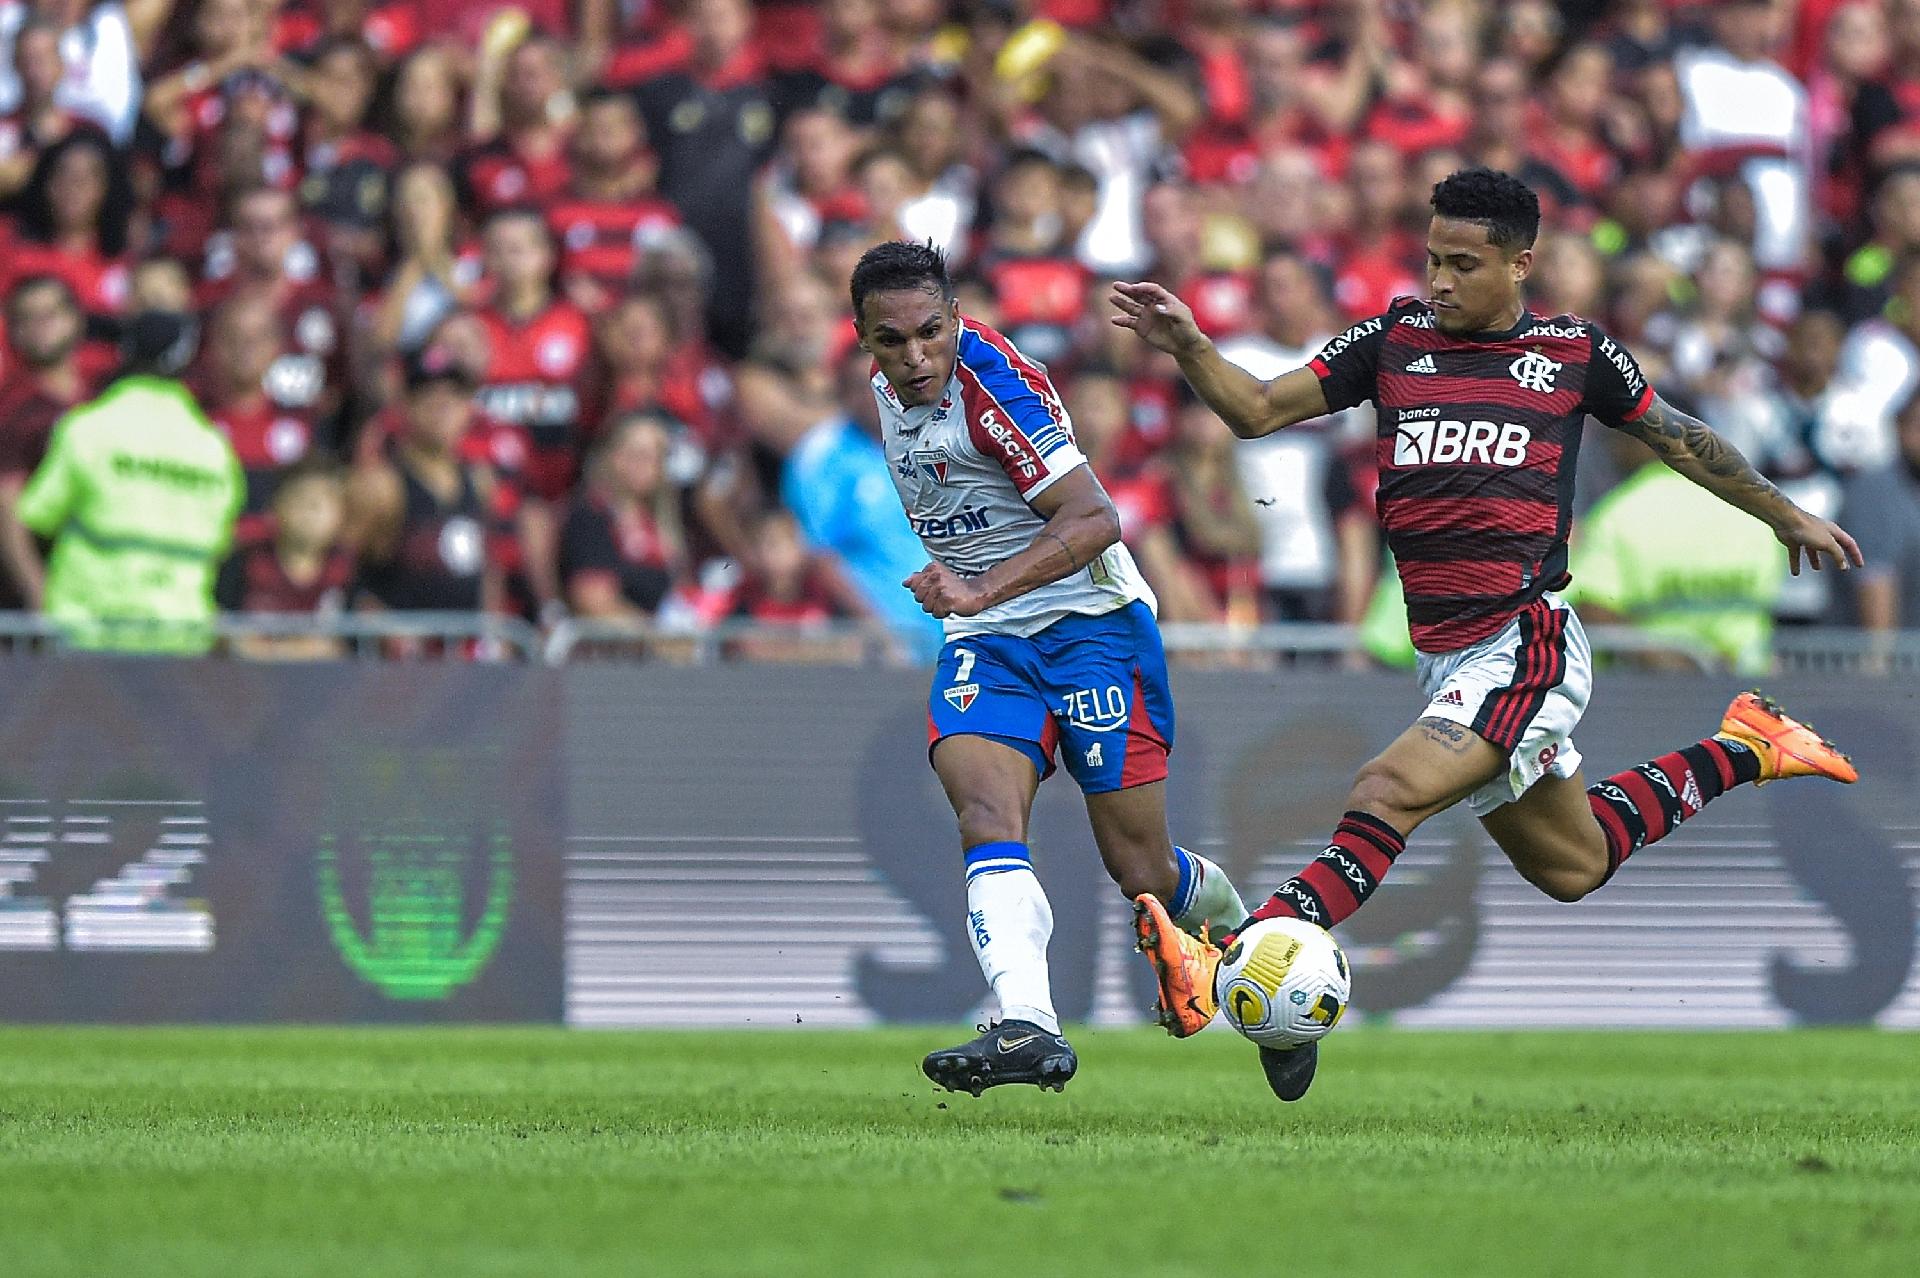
(1642, 804)
(1339, 880)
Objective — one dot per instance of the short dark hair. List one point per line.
(38, 280)
(899, 264)
(1501, 202)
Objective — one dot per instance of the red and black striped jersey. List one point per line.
(1477, 437)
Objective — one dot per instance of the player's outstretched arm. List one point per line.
(1692, 448)
(1081, 523)
(1250, 407)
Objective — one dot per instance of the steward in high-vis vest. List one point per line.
(138, 493)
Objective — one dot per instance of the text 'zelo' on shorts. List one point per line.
(1522, 689)
(1095, 688)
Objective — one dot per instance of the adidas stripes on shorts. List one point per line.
(1522, 689)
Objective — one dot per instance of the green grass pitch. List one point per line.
(358, 1154)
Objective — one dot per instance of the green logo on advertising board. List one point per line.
(416, 945)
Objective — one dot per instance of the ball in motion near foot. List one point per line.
(1283, 982)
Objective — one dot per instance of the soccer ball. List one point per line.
(1283, 983)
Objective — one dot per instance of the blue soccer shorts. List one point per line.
(1095, 688)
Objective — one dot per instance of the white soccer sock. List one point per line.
(1205, 895)
(1010, 922)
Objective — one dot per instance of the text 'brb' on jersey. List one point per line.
(966, 466)
(1477, 440)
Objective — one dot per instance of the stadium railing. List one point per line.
(381, 635)
(479, 636)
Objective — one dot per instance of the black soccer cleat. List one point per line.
(1290, 1074)
(1009, 1052)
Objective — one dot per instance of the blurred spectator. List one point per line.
(1119, 117)
(789, 585)
(1027, 260)
(1880, 364)
(101, 45)
(346, 165)
(1718, 596)
(940, 185)
(1175, 231)
(1318, 544)
(1886, 111)
(243, 341)
(433, 272)
(425, 113)
(834, 479)
(808, 186)
(38, 120)
(1881, 505)
(389, 30)
(73, 222)
(43, 381)
(851, 67)
(712, 125)
(1894, 214)
(417, 519)
(608, 216)
(1718, 348)
(1212, 519)
(539, 345)
(1376, 247)
(271, 261)
(621, 551)
(520, 120)
(294, 563)
(1745, 114)
(138, 493)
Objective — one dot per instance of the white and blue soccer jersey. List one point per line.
(967, 465)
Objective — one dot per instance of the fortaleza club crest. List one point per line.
(962, 696)
(416, 893)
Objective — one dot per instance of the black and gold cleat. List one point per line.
(1009, 1052)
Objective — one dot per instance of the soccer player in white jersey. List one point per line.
(1051, 646)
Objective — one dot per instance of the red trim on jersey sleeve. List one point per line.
(1007, 445)
(1640, 408)
(1319, 367)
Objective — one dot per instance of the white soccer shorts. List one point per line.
(1522, 689)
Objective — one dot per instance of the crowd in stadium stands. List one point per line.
(540, 306)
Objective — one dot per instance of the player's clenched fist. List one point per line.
(944, 593)
(1162, 319)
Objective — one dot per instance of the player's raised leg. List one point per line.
(1173, 890)
(1568, 838)
(1106, 678)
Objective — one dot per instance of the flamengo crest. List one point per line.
(1535, 372)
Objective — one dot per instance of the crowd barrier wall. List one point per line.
(760, 845)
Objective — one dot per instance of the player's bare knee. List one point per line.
(1566, 882)
(1381, 789)
(989, 819)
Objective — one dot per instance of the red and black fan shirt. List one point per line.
(1477, 437)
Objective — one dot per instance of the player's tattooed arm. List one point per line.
(1693, 449)
(1081, 524)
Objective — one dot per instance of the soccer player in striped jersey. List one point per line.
(1480, 404)
(1051, 645)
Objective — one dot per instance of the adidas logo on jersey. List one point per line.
(1424, 364)
(1451, 697)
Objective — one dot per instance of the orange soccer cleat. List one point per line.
(1785, 746)
(1183, 965)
